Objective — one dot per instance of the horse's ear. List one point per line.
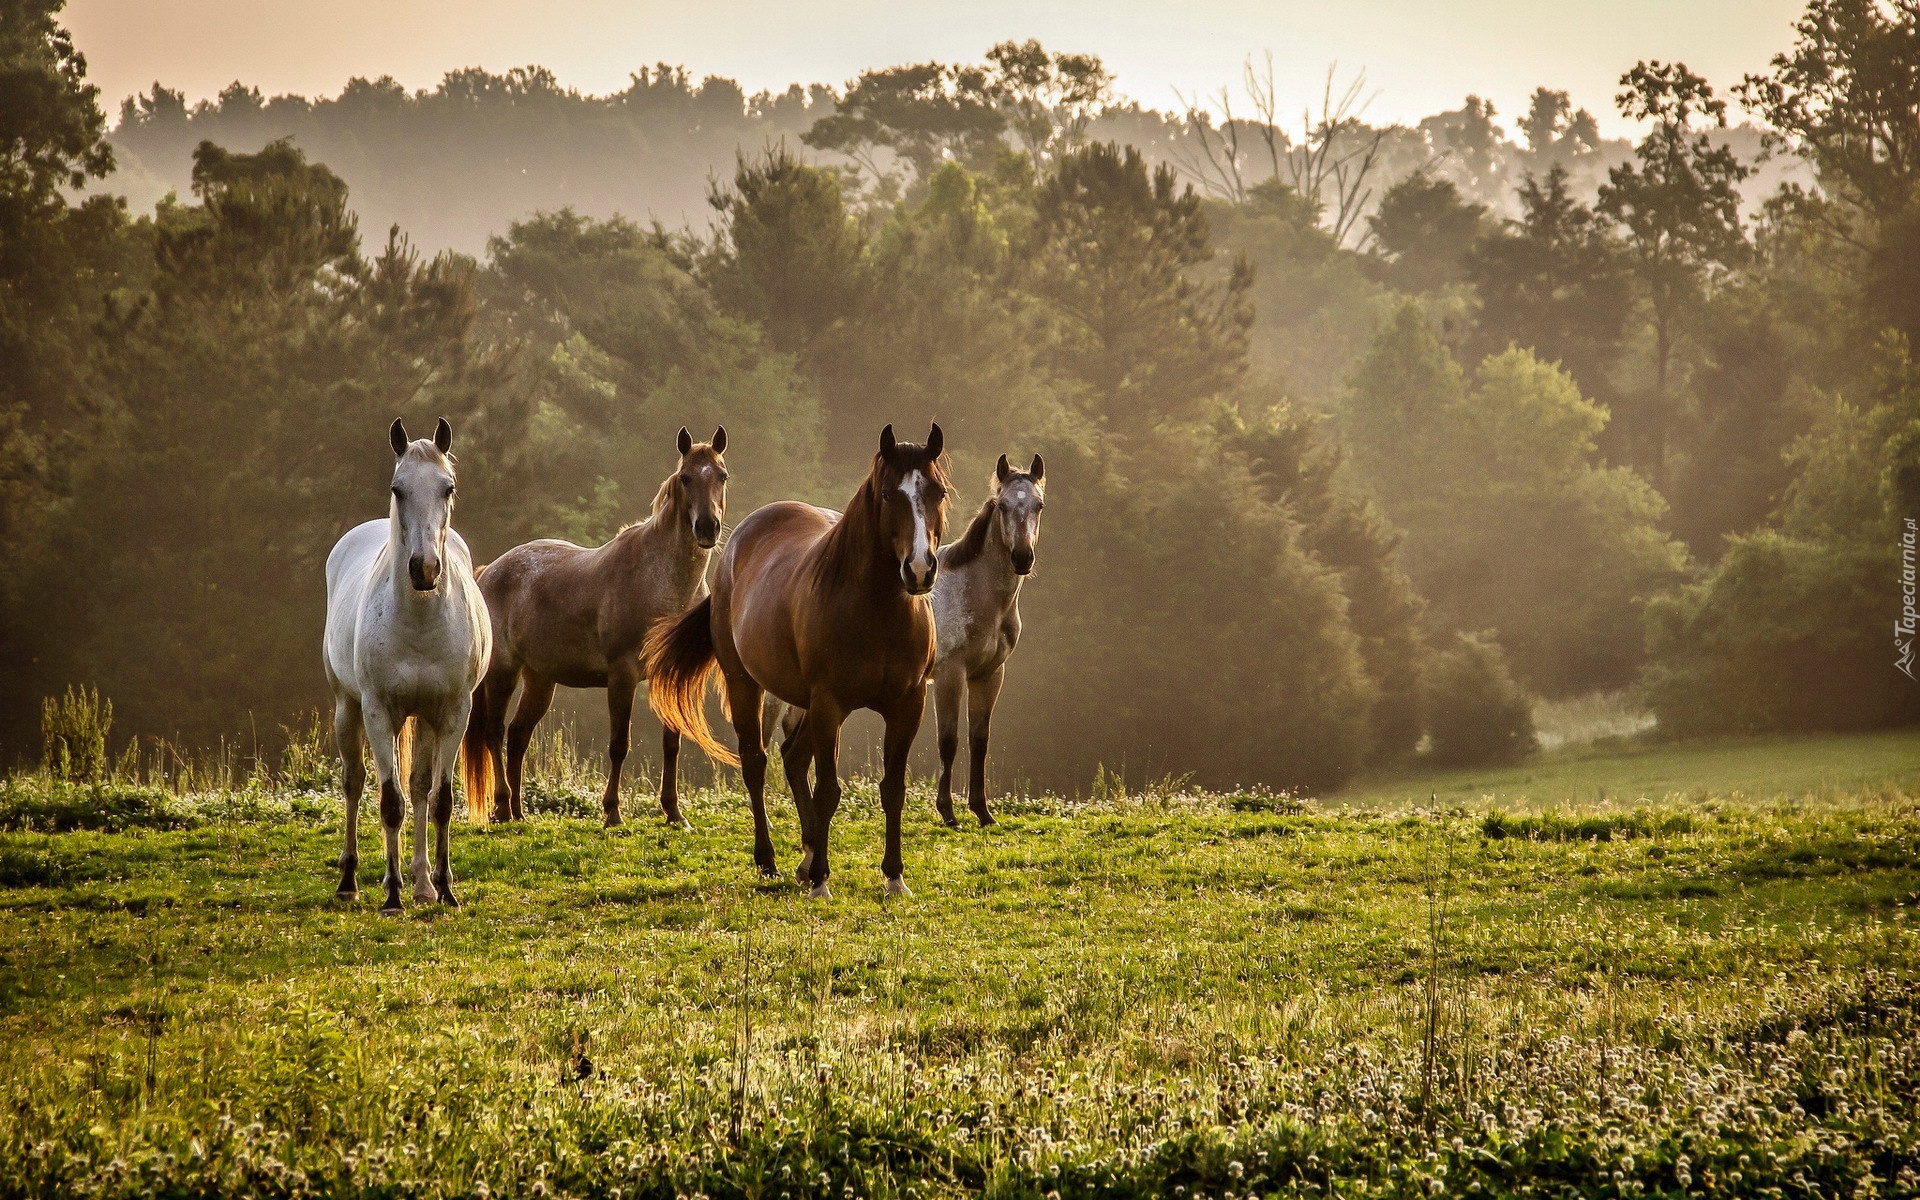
(935, 440)
(397, 434)
(1038, 470)
(1002, 470)
(686, 440)
(443, 436)
(887, 443)
(720, 439)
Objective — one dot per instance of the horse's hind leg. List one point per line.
(535, 698)
(496, 688)
(949, 682)
(353, 780)
(796, 758)
(447, 749)
(380, 739)
(743, 704)
(981, 694)
(426, 756)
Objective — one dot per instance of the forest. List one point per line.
(1359, 439)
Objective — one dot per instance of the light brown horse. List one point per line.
(828, 612)
(568, 616)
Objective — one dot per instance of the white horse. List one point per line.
(408, 637)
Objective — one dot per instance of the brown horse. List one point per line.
(563, 615)
(829, 613)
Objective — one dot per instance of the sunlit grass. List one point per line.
(1129, 995)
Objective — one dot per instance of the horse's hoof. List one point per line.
(427, 896)
(447, 898)
(348, 895)
(769, 871)
(612, 821)
(897, 887)
(949, 820)
(986, 819)
(392, 908)
(680, 823)
(821, 891)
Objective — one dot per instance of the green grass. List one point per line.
(1780, 768)
(1710, 993)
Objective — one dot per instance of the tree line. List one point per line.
(1308, 502)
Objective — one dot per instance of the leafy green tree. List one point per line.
(1509, 524)
(58, 261)
(628, 349)
(1179, 626)
(1047, 100)
(1314, 306)
(918, 114)
(1678, 204)
(1422, 233)
(1553, 281)
(1847, 96)
(1114, 251)
(245, 396)
(1296, 463)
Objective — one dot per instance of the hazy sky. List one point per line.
(1421, 56)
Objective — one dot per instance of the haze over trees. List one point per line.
(1352, 434)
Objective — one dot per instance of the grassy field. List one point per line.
(1705, 983)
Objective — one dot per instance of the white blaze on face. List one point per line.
(920, 561)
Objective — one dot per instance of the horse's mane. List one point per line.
(422, 450)
(973, 543)
(843, 550)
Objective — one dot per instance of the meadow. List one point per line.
(1621, 970)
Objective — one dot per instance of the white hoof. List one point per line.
(426, 893)
(897, 887)
(821, 892)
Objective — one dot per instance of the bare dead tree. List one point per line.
(1215, 164)
(1336, 153)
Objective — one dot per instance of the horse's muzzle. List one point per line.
(706, 531)
(916, 583)
(1022, 561)
(424, 571)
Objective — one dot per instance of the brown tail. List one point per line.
(680, 661)
(476, 761)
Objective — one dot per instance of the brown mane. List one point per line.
(848, 547)
(973, 543)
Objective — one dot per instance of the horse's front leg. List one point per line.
(353, 780)
(426, 751)
(622, 680)
(902, 724)
(380, 739)
(981, 694)
(446, 751)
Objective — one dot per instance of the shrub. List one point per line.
(1786, 634)
(1476, 714)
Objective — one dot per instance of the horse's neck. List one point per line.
(664, 543)
(852, 549)
(994, 569)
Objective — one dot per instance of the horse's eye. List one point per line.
(686, 477)
(396, 492)
(723, 477)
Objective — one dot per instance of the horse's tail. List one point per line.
(403, 757)
(680, 661)
(476, 761)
